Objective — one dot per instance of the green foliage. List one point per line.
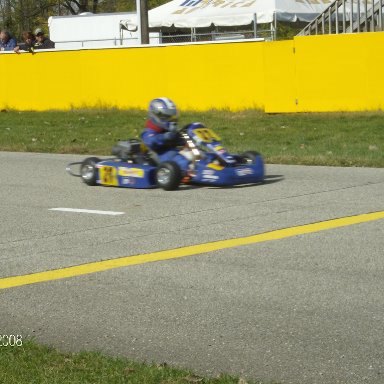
(18, 16)
(156, 3)
(107, 6)
(287, 31)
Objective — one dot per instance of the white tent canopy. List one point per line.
(203, 13)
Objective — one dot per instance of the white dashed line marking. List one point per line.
(91, 211)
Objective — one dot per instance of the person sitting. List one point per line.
(42, 42)
(7, 42)
(29, 43)
(161, 132)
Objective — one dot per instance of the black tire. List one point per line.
(250, 157)
(88, 170)
(168, 176)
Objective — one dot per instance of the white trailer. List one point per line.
(89, 30)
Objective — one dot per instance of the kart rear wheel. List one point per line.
(250, 157)
(88, 170)
(168, 176)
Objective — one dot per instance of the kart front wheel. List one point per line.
(250, 157)
(88, 170)
(168, 176)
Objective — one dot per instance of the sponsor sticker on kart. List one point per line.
(128, 181)
(206, 135)
(244, 171)
(217, 167)
(208, 172)
(107, 175)
(131, 172)
(210, 178)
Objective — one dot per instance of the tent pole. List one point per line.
(254, 25)
(193, 34)
(138, 11)
(142, 21)
(275, 26)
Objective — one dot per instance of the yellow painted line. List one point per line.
(100, 266)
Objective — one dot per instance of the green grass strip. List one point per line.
(333, 139)
(36, 364)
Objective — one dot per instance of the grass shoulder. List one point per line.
(33, 363)
(333, 139)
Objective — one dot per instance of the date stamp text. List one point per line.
(11, 340)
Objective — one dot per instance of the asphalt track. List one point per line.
(303, 305)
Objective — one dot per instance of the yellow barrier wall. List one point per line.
(340, 72)
(196, 76)
(313, 73)
(279, 77)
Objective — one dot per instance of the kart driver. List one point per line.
(161, 132)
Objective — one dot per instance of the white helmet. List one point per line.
(163, 113)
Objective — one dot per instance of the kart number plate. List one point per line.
(206, 135)
(108, 175)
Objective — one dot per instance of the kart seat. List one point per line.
(126, 149)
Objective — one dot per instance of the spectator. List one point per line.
(7, 42)
(29, 43)
(42, 41)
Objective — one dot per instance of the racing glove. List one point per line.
(173, 127)
(170, 136)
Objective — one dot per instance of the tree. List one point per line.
(79, 6)
(25, 15)
(117, 6)
(6, 14)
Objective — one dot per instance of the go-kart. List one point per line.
(134, 166)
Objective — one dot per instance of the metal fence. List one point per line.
(267, 33)
(103, 43)
(347, 16)
(174, 36)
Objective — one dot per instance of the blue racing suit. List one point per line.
(164, 143)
